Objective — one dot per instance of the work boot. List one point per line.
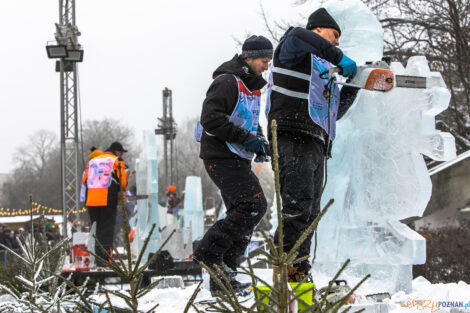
(210, 263)
(238, 287)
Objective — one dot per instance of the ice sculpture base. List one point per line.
(384, 278)
(390, 243)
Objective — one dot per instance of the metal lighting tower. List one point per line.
(168, 130)
(69, 52)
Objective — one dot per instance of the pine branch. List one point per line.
(193, 297)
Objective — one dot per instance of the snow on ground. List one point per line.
(425, 297)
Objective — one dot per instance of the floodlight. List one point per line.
(68, 66)
(56, 52)
(74, 56)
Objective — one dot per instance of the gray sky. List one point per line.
(133, 49)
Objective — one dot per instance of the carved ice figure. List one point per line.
(377, 175)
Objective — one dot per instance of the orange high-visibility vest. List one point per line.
(98, 178)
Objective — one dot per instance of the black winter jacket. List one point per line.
(291, 114)
(221, 99)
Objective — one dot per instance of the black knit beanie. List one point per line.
(321, 18)
(257, 47)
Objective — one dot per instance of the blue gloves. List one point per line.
(348, 66)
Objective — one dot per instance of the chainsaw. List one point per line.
(378, 76)
(340, 289)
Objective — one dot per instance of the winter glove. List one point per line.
(262, 158)
(348, 67)
(263, 155)
(253, 143)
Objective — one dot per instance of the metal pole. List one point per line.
(61, 5)
(171, 137)
(73, 12)
(76, 132)
(62, 147)
(165, 139)
(67, 35)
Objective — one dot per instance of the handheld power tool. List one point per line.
(378, 76)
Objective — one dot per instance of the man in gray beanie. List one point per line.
(298, 99)
(230, 137)
(256, 47)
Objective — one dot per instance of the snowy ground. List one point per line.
(425, 297)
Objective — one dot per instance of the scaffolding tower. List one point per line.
(68, 52)
(167, 128)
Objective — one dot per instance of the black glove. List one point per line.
(264, 154)
(260, 158)
(253, 143)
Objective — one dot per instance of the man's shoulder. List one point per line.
(224, 83)
(225, 80)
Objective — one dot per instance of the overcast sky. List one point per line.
(133, 49)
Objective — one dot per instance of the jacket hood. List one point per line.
(237, 66)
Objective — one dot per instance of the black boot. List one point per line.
(230, 274)
(238, 287)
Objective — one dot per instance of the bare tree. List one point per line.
(35, 155)
(275, 28)
(101, 133)
(37, 172)
(37, 162)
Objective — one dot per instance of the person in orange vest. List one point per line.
(105, 177)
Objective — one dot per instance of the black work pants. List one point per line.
(105, 218)
(301, 177)
(246, 204)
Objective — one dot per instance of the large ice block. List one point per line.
(193, 210)
(377, 175)
(147, 184)
(361, 33)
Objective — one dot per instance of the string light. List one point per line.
(37, 208)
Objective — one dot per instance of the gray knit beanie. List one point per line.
(257, 47)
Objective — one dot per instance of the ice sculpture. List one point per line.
(147, 184)
(193, 211)
(377, 175)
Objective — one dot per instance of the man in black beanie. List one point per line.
(230, 136)
(298, 102)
